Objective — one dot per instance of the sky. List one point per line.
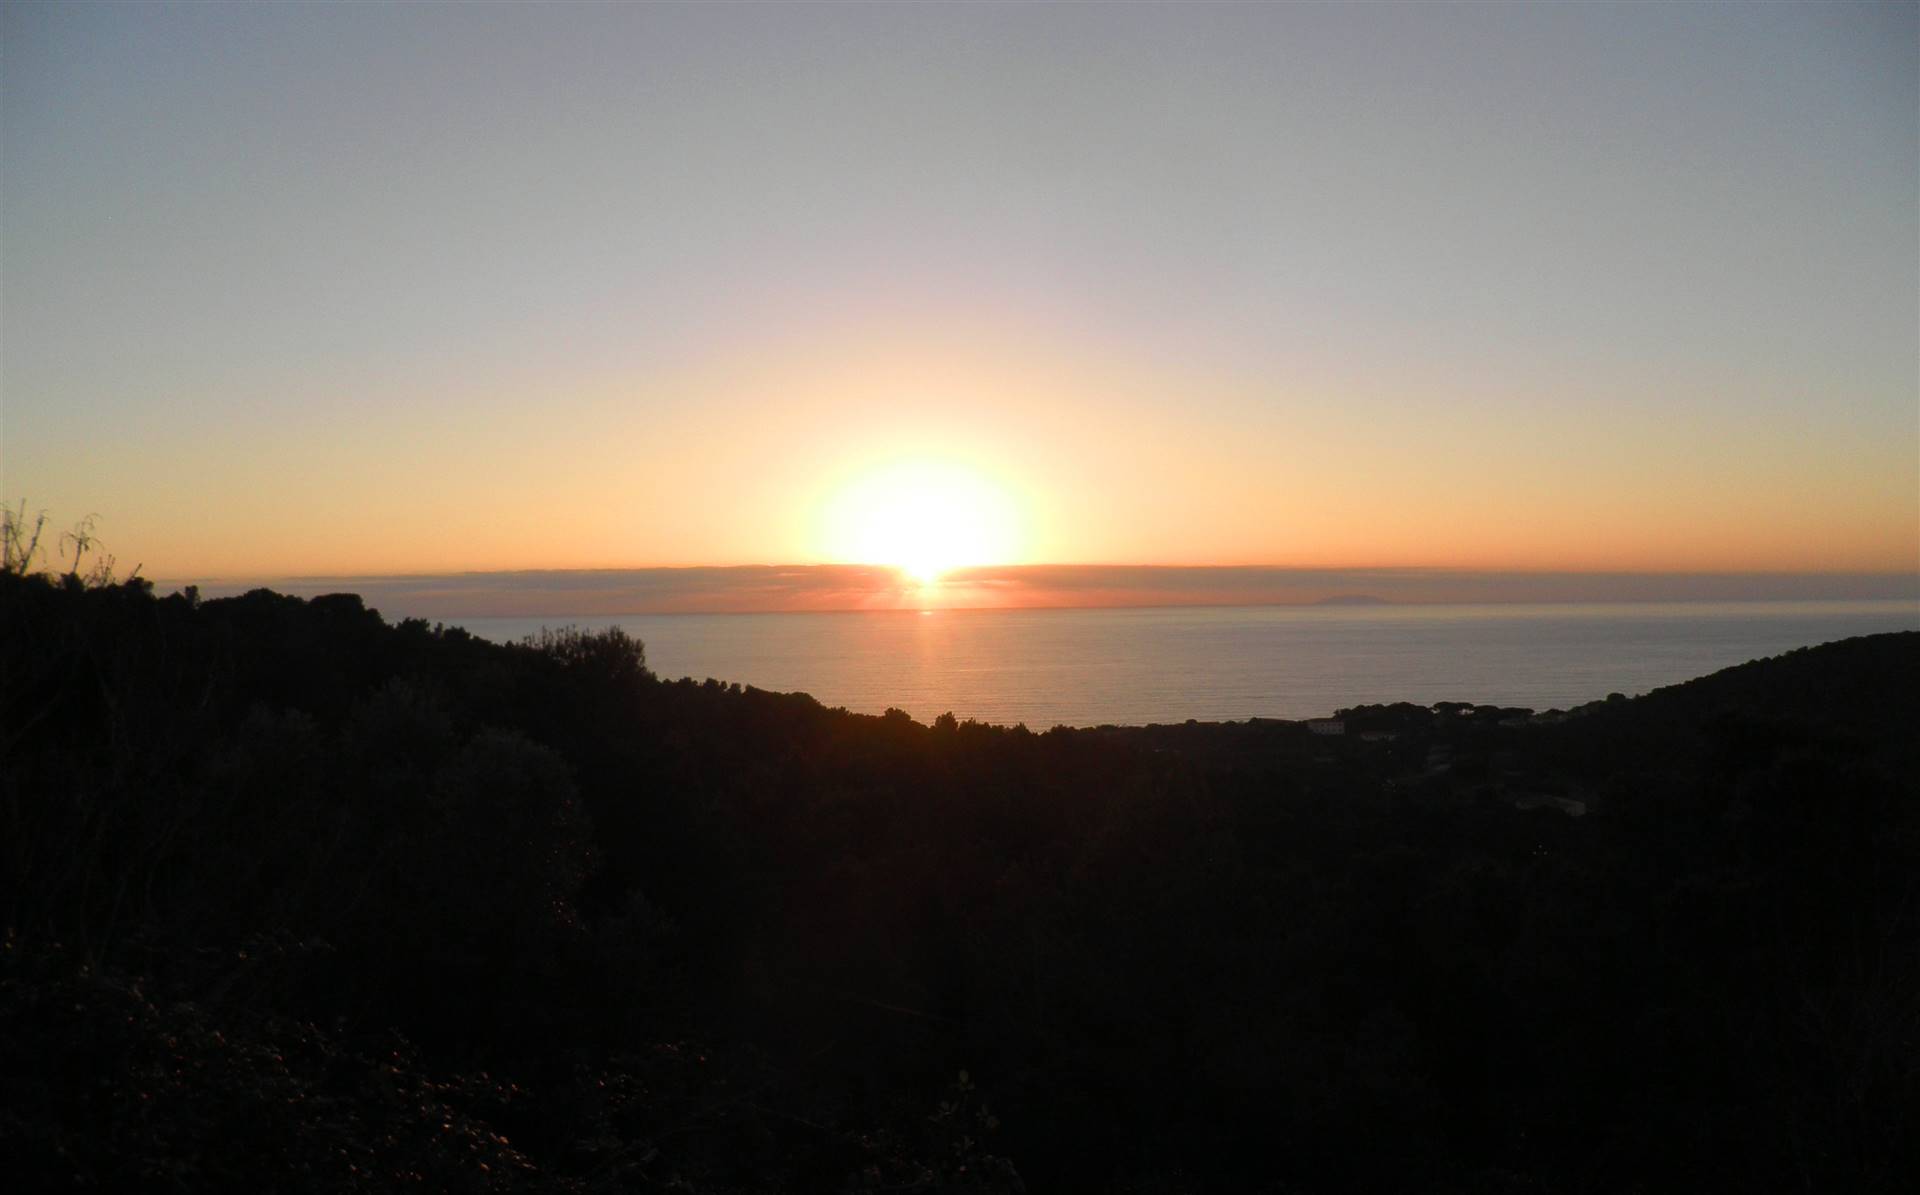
(358, 290)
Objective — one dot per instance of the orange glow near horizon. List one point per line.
(935, 286)
(924, 518)
(1005, 451)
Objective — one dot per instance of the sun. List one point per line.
(925, 518)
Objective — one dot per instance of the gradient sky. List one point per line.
(315, 289)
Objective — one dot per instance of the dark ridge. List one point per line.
(298, 899)
(1866, 683)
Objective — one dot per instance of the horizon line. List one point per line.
(847, 588)
(964, 571)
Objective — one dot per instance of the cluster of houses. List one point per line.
(1449, 711)
(1387, 724)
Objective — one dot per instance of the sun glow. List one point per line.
(923, 518)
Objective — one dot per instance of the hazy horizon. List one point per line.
(590, 593)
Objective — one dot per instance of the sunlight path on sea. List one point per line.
(1088, 667)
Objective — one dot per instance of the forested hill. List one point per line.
(296, 899)
(1864, 689)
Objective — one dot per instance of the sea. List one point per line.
(1124, 667)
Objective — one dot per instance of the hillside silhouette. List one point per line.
(298, 899)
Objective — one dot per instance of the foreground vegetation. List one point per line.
(295, 899)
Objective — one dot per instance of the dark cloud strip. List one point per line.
(799, 588)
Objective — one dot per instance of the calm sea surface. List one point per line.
(1087, 667)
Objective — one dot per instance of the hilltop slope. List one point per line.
(298, 898)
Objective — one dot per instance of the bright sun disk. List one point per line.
(924, 518)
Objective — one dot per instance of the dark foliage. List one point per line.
(295, 899)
